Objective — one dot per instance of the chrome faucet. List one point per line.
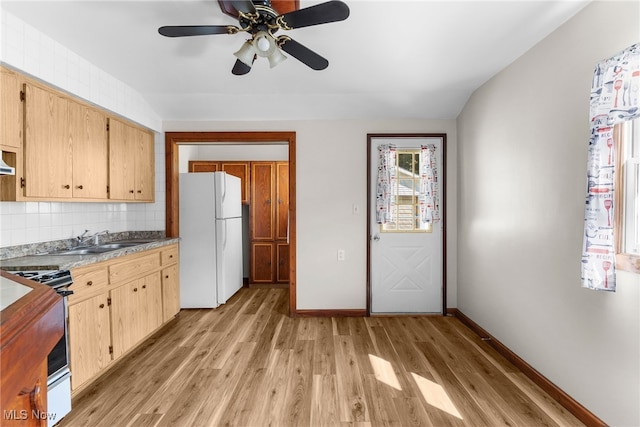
(95, 236)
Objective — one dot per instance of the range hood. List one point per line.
(6, 169)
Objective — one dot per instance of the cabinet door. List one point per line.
(170, 292)
(241, 170)
(282, 197)
(89, 338)
(262, 265)
(150, 303)
(47, 150)
(282, 267)
(88, 130)
(144, 169)
(262, 204)
(121, 161)
(126, 321)
(11, 107)
(203, 166)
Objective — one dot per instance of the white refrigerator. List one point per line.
(210, 239)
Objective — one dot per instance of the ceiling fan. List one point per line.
(262, 21)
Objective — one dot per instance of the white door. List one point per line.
(406, 262)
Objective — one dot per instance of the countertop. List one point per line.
(65, 262)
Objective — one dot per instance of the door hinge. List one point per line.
(110, 349)
(22, 96)
(23, 183)
(109, 301)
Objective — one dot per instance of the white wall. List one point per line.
(331, 168)
(523, 140)
(240, 151)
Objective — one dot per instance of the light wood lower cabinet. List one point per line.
(117, 304)
(89, 338)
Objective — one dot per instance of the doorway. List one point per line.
(172, 142)
(406, 257)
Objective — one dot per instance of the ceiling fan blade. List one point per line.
(244, 6)
(196, 30)
(303, 54)
(240, 68)
(323, 13)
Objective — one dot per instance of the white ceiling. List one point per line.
(389, 59)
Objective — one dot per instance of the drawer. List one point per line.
(88, 282)
(141, 265)
(169, 255)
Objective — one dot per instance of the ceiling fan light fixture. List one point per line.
(264, 44)
(276, 57)
(246, 53)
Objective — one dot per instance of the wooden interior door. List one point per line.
(262, 206)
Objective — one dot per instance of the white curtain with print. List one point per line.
(428, 194)
(386, 186)
(615, 95)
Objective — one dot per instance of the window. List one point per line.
(406, 215)
(628, 199)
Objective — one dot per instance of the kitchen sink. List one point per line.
(99, 249)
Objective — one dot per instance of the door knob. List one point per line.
(376, 237)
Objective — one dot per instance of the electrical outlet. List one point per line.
(341, 255)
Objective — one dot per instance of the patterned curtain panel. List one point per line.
(615, 94)
(429, 204)
(386, 188)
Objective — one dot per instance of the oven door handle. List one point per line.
(65, 293)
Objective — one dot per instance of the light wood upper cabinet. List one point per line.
(131, 163)
(48, 161)
(60, 146)
(11, 124)
(145, 170)
(88, 130)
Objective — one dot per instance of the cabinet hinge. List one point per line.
(109, 301)
(22, 95)
(107, 126)
(23, 183)
(110, 349)
(107, 189)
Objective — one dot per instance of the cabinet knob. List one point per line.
(140, 191)
(268, 201)
(135, 289)
(166, 277)
(66, 186)
(131, 191)
(144, 286)
(79, 187)
(90, 282)
(101, 306)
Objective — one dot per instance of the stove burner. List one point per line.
(53, 278)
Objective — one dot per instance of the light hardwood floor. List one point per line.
(248, 364)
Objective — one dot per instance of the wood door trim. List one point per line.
(443, 208)
(174, 139)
